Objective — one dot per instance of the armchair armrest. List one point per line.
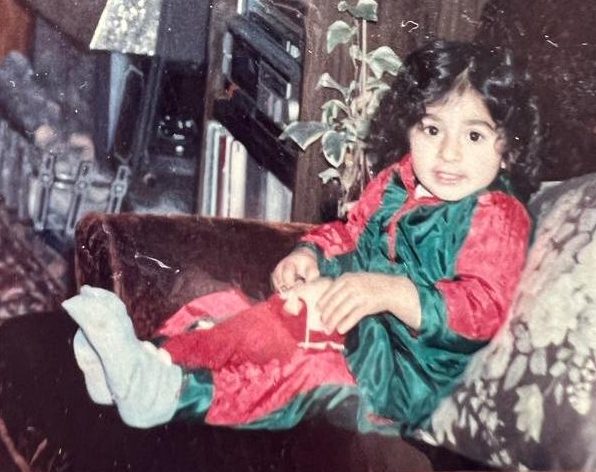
(156, 263)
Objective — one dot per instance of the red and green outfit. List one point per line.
(465, 259)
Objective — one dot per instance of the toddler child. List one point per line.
(419, 277)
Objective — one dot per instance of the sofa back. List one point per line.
(156, 263)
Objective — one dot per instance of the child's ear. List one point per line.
(509, 159)
(501, 144)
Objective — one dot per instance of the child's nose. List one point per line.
(450, 150)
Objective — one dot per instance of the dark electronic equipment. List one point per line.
(263, 50)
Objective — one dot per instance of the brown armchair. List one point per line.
(155, 264)
(158, 263)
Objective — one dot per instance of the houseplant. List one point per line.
(345, 119)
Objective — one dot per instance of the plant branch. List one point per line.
(16, 457)
(356, 43)
(363, 66)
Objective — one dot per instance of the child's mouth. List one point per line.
(448, 178)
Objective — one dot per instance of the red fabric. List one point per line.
(337, 238)
(217, 306)
(249, 392)
(488, 267)
(256, 363)
(256, 335)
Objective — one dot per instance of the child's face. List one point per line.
(456, 148)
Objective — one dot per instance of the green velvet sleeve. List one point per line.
(330, 267)
(403, 374)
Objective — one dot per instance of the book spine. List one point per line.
(278, 205)
(223, 181)
(209, 169)
(237, 187)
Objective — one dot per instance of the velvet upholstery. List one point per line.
(157, 263)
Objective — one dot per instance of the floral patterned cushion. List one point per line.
(529, 398)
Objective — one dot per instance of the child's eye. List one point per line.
(431, 130)
(475, 136)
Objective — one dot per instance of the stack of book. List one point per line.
(233, 184)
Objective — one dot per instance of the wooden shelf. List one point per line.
(403, 25)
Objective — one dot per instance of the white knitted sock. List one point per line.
(88, 361)
(143, 382)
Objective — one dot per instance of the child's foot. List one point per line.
(142, 380)
(95, 378)
(101, 315)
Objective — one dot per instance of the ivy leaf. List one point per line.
(329, 82)
(304, 133)
(343, 6)
(350, 129)
(364, 9)
(352, 88)
(375, 100)
(339, 33)
(382, 60)
(362, 127)
(334, 147)
(329, 174)
(331, 109)
(377, 85)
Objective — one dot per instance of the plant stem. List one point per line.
(16, 457)
(363, 65)
(356, 43)
(363, 112)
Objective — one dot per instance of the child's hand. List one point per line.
(309, 293)
(299, 266)
(353, 296)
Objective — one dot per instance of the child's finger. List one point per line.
(331, 309)
(288, 275)
(277, 273)
(349, 321)
(311, 274)
(334, 292)
(339, 309)
(277, 276)
(293, 304)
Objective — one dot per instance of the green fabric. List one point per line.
(336, 403)
(196, 394)
(403, 375)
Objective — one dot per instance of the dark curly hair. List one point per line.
(432, 71)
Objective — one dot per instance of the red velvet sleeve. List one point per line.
(488, 267)
(340, 237)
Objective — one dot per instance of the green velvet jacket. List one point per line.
(464, 257)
